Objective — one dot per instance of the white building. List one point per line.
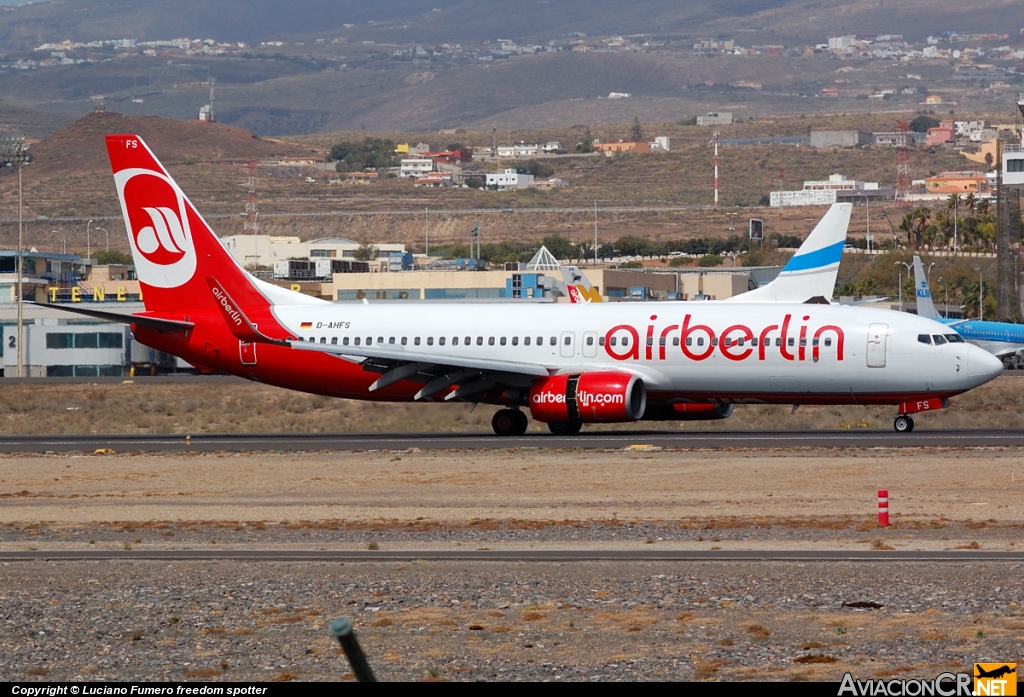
(715, 118)
(266, 250)
(839, 182)
(509, 179)
(415, 167)
(661, 143)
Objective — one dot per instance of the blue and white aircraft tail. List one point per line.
(1003, 340)
(812, 271)
(925, 306)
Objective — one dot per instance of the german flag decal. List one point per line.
(306, 325)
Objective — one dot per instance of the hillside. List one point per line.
(403, 21)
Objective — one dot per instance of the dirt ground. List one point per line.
(815, 487)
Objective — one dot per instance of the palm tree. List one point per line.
(921, 217)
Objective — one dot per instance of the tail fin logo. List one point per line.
(156, 213)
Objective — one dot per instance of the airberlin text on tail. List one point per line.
(173, 247)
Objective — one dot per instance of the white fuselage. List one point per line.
(733, 352)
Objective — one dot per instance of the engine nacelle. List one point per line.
(588, 397)
(687, 412)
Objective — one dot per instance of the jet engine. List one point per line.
(687, 412)
(597, 397)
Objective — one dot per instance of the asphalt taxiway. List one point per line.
(256, 442)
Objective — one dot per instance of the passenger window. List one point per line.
(778, 341)
(380, 340)
(554, 341)
(479, 341)
(515, 341)
(815, 342)
(689, 341)
(625, 341)
(540, 341)
(416, 341)
(526, 341)
(600, 341)
(650, 341)
(590, 341)
(323, 340)
(675, 341)
(939, 341)
(468, 340)
(700, 341)
(791, 341)
(613, 341)
(727, 342)
(430, 341)
(924, 338)
(502, 341)
(828, 341)
(742, 341)
(753, 342)
(391, 340)
(334, 340)
(357, 340)
(440, 341)
(345, 341)
(567, 340)
(455, 341)
(405, 341)
(714, 341)
(490, 341)
(803, 341)
(369, 340)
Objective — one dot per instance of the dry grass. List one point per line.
(235, 406)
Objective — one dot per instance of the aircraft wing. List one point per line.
(473, 377)
(813, 269)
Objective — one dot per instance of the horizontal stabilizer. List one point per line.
(161, 325)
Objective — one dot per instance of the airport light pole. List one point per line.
(900, 265)
(981, 293)
(867, 203)
(107, 236)
(426, 232)
(945, 296)
(891, 228)
(15, 152)
(88, 244)
(595, 234)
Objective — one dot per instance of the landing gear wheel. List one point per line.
(903, 424)
(565, 428)
(509, 422)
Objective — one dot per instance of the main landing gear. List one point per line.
(509, 422)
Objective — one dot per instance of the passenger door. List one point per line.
(567, 344)
(878, 345)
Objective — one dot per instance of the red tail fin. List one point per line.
(173, 247)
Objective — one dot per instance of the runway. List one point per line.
(263, 442)
(831, 556)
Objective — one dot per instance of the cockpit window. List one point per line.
(924, 338)
(939, 340)
(954, 338)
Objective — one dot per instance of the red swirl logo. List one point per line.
(156, 220)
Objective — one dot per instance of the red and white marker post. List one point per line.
(883, 507)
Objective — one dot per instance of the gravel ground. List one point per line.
(506, 621)
(219, 620)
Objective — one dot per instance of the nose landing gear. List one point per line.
(904, 423)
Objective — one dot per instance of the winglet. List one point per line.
(925, 306)
(813, 269)
(237, 322)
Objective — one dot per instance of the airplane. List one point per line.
(568, 365)
(1004, 340)
(810, 273)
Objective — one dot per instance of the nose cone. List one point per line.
(982, 366)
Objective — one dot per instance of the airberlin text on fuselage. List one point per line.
(737, 342)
